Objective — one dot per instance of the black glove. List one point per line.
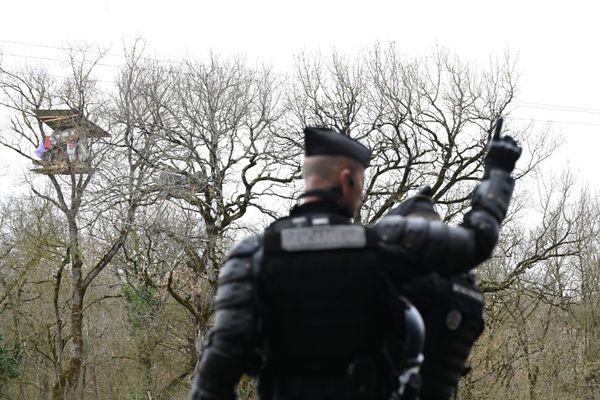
(503, 152)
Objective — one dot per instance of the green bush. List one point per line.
(8, 363)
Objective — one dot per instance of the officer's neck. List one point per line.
(313, 199)
(321, 205)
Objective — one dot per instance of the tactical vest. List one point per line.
(452, 310)
(324, 311)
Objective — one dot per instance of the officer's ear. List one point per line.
(351, 181)
(346, 180)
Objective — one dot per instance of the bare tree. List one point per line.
(428, 120)
(24, 93)
(556, 237)
(217, 155)
(533, 290)
(202, 153)
(30, 275)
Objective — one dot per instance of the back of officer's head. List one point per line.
(325, 169)
(334, 160)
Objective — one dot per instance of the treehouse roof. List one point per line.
(68, 119)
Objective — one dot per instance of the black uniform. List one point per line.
(308, 306)
(452, 310)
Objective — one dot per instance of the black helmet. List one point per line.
(420, 205)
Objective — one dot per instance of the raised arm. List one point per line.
(428, 245)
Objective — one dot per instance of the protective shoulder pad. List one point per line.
(235, 269)
(246, 246)
(390, 228)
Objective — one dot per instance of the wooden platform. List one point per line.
(62, 168)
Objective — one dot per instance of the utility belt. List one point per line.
(307, 387)
(363, 380)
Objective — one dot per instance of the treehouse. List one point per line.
(174, 183)
(66, 150)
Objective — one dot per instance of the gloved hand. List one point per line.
(503, 152)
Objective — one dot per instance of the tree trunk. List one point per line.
(69, 376)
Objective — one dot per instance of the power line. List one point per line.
(30, 44)
(54, 75)
(520, 104)
(99, 64)
(55, 59)
(561, 107)
(549, 121)
(35, 57)
(90, 51)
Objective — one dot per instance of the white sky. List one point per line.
(557, 43)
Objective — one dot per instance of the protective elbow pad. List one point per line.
(486, 229)
(494, 193)
(455, 248)
(234, 302)
(402, 236)
(234, 323)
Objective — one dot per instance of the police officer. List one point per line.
(305, 306)
(451, 307)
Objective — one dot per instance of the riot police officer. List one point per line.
(452, 310)
(306, 305)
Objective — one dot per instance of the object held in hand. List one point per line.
(503, 151)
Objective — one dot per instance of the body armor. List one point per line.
(309, 308)
(328, 312)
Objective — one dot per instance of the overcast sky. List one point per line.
(557, 43)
